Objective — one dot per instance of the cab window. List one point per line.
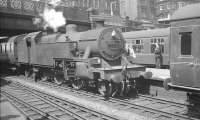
(186, 43)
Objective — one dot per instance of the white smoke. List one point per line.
(54, 2)
(51, 18)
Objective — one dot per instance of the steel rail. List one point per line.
(128, 102)
(19, 103)
(54, 100)
(57, 99)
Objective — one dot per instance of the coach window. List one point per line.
(5, 47)
(153, 41)
(138, 46)
(8, 47)
(0, 48)
(11, 47)
(186, 43)
(160, 42)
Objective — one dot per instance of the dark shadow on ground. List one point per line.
(8, 117)
(4, 82)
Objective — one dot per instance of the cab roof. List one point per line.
(187, 12)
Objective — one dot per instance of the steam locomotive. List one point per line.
(94, 58)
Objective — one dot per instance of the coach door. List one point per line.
(28, 44)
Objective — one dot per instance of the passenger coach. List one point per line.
(144, 42)
(185, 52)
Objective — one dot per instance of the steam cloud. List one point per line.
(51, 18)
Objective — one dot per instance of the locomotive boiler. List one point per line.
(94, 58)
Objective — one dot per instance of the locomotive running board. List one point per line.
(121, 67)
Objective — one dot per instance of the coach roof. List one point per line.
(187, 12)
(147, 33)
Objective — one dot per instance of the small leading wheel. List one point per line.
(34, 76)
(44, 77)
(27, 74)
(58, 79)
(77, 84)
(105, 88)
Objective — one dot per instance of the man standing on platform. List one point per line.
(158, 56)
(131, 54)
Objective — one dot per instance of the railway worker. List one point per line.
(131, 53)
(120, 81)
(158, 56)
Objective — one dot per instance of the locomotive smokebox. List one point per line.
(102, 42)
(106, 42)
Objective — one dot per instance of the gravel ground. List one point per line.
(173, 95)
(8, 111)
(158, 89)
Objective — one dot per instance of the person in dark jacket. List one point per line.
(158, 56)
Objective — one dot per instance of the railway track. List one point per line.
(40, 106)
(144, 105)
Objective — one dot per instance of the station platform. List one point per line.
(9, 111)
(159, 74)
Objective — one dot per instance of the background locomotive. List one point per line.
(94, 58)
(144, 42)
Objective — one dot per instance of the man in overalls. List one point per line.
(158, 56)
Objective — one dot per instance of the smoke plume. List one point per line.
(50, 17)
(53, 19)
